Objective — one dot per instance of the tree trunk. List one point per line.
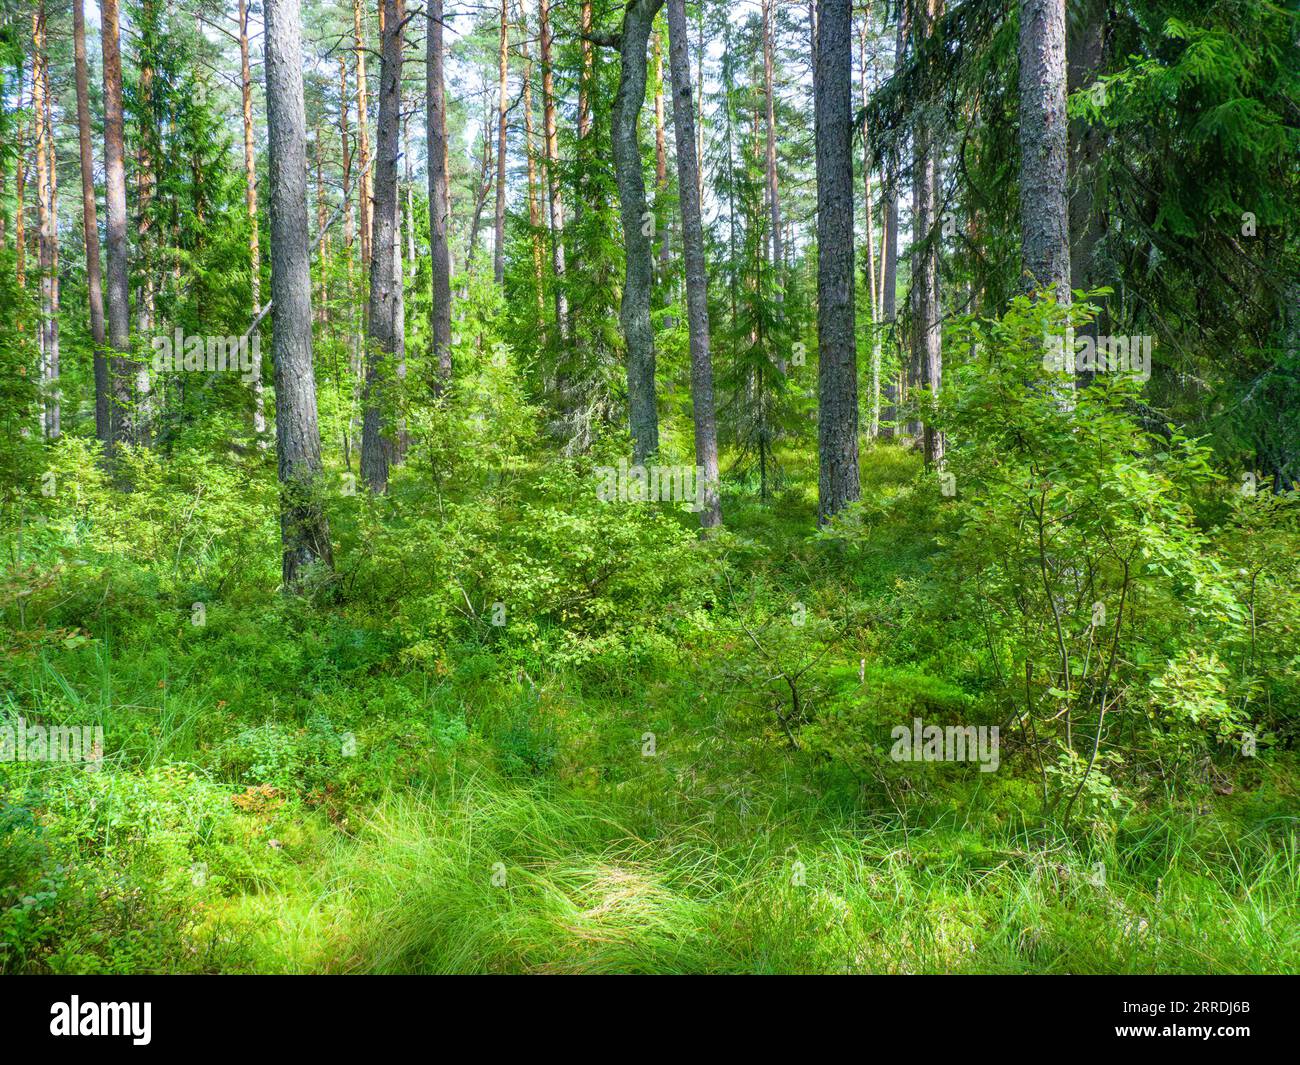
(250, 203)
(585, 75)
(439, 215)
(868, 208)
(378, 438)
(661, 164)
(144, 235)
(551, 136)
(54, 422)
(119, 310)
(534, 209)
(837, 372)
(927, 320)
(773, 189)
(586, 85)
(697, 292)
(90, 224)
(4, 184)
(348, 149)
(634, 313)
(889, 267)
(363, 133)
(409, 182)
(1044, 201)
(304, 530)
(20, 189)
(46, 206)
(503, 107)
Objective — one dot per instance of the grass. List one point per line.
(501, 813)
(479, 876)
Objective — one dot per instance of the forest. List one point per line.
(649, 486)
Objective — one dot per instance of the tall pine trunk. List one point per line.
(149, 256)
(638, 224)
(889, 267)
(927, 321)
(90, 224)
(777, 256)
(250, 203)
(1044, 161)
(661, 164)
(48, 235)
(697, 291)
(363, 133)
(379, 446)
(837, 372)
(868, 208)
(553, 187)
(20, 189)
(530, 154)
(439, 215)
(119, 299)
(503, 108)
(304, 530)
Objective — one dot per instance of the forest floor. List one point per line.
(313, 786)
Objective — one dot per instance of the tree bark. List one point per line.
(379, 438)
(1044, 200)
(54, 421)
(149, 32)
(4, 187)
(777, 256)
(503, 108)
(20, 189)
(889, 267)
(634, 313)
(363, 133)
(697, 292)
(304, 530)
(46, 207)
(927, 320)
(868, 206)
(439, 215)
(530, 154)
(90, 224)
(837, 372)
(119, 312)
(661, 162)
(250, 204)
(553, 187)
(588, 67)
